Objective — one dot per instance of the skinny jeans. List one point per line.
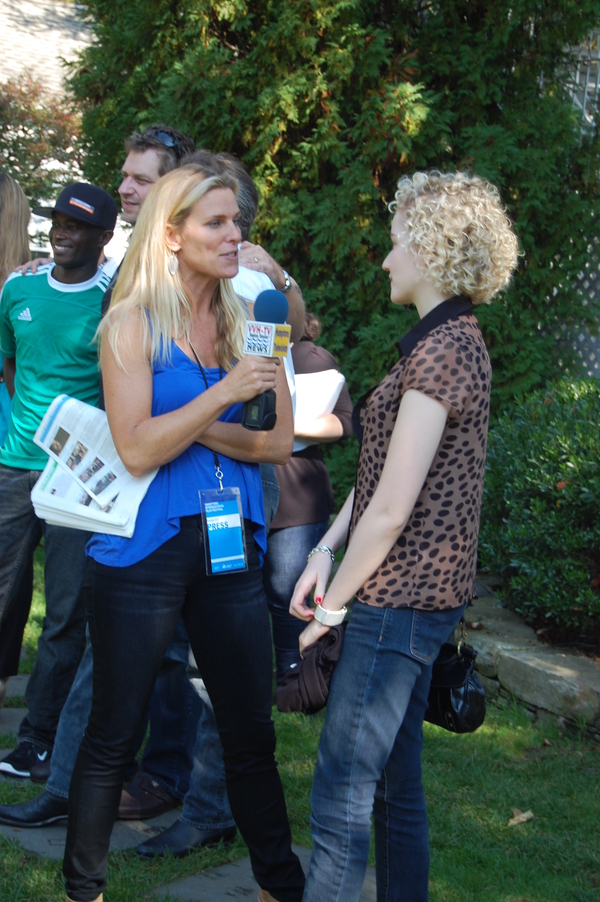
(369, 760)
(133, 612)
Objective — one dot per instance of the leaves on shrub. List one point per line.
(40, 144)
(541, 454)
(328, 103)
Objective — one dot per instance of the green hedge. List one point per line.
(540, 527)
(329, 101)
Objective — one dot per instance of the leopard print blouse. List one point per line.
(432, 565)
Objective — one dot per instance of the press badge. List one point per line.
(223, 523)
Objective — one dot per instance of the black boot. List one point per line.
(180, 839)
(39, 812)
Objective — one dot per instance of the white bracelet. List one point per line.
(325, 549)
(329, 618)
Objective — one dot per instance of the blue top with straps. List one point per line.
(174, 491)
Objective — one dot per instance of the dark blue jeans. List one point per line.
(132, 615)
(62, 642)
(369, 757)
(284, 563)
(172, 715)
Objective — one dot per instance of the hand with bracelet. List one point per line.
(255, 257)
(316, 574)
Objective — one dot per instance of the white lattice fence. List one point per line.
(586, 344)
(585, 82)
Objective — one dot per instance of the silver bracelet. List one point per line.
(325, 549)
(287, 283)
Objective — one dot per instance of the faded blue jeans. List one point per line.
(62, 642)
(369, 758)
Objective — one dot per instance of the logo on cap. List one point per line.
(82, 205)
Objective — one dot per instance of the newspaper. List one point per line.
(85, 484)
(316, 396)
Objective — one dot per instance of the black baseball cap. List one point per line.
(86, 203)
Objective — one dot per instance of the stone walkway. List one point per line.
(235, 881)
(50, 841)
(35, 34)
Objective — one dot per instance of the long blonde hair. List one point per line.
(145, 282)
(14, 219)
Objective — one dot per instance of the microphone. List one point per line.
(266, 336)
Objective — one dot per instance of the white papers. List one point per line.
(85, 484)
(316, 396)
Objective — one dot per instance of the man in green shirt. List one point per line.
(47, 326)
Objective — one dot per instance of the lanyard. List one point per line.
(218, 470)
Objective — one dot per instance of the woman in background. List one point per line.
(305, 496)
(14, 250)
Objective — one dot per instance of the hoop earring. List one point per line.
(172, 264)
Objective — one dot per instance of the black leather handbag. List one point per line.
(456, 696)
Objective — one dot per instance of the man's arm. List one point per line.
(255, 257)
(10, 369)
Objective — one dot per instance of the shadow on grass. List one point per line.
(472, 784)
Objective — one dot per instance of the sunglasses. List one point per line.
(168, 140)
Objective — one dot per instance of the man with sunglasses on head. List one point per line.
(150, 155)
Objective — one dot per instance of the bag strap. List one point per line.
(463, 639)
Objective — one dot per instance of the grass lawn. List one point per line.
(473, 783)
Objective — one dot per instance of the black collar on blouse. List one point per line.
(455, 306)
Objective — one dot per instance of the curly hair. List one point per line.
(459, 232)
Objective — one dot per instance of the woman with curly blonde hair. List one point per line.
(412, 522)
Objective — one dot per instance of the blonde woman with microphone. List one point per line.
(175, 380)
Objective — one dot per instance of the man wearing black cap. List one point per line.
(47, 326)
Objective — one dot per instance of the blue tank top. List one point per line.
(174, 491)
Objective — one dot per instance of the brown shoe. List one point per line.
(144, 798)
(264, 896)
